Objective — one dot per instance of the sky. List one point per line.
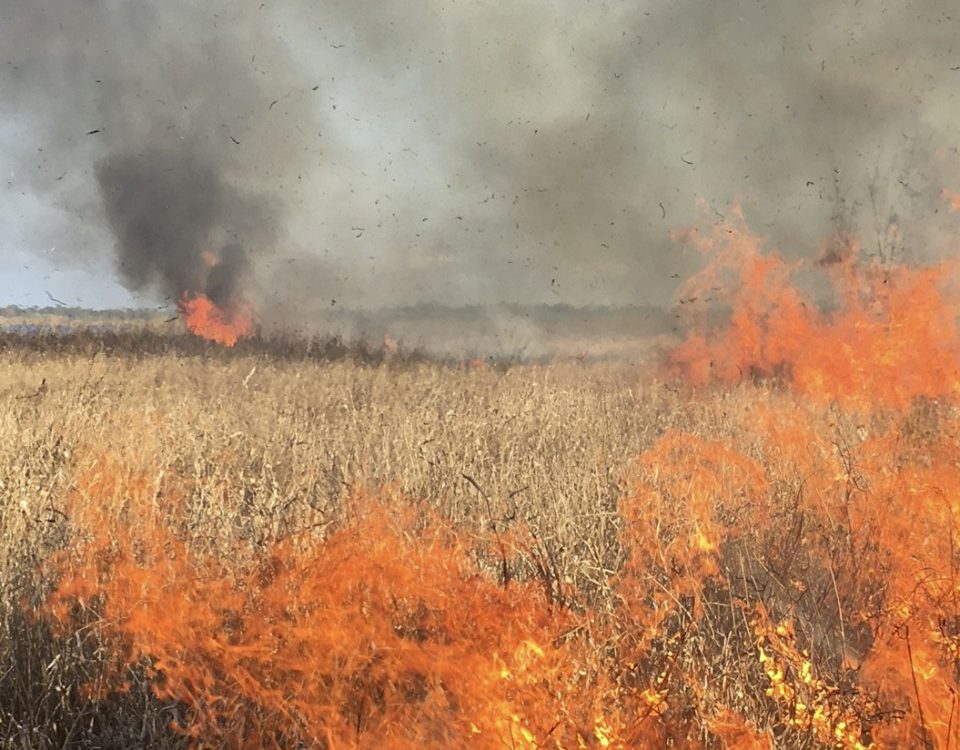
(371, 153)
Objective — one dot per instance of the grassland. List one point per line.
(686, 568)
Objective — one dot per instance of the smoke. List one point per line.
(165, 209)
(162, 116)
(366, 153)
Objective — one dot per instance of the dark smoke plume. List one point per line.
(397, 152)
(190, 163)
(166, 209)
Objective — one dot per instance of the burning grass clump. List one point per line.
(761, 556)
(789, 584)
(885, 334)
(383, 632)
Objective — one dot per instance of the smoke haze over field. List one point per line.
(402, 151)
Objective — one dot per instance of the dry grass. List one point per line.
(673, 533)
(272, 448)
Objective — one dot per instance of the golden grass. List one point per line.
(271, 449)
(678, 562)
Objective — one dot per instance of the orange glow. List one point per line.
(787, 553)
(207, 320)
(865, 350)
(381, 631)
(953, 198)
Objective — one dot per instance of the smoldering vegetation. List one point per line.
(461, 336)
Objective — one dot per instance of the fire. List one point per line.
(865, 350)
(788, 573)
(380, 631)
(885, 354)
(225, 326)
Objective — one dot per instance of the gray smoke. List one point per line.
(384, 152)
(165, 208)
(161, 114)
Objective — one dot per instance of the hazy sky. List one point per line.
(383, 152)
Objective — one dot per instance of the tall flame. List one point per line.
(788, 562)
(865, 349)
(206, 319)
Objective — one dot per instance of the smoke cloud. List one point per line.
(166, 209)
(162, 117)
(393, 152)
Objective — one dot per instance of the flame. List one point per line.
(863, 351)
(381, 629)
(787, 561)
(205, 319)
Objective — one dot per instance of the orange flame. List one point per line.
(207, 320)
(866, 350)
(789, 565)
(380, 631)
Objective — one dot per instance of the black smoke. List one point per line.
(178, 225)
(163, 118)
(397, 152)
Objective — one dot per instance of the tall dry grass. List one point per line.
(269, 450)
(246, 551)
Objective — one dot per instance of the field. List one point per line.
(504, 332)
(747, 543)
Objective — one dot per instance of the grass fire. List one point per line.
(206, 319)
(750, 545)
(224, 323)
(435, 375)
